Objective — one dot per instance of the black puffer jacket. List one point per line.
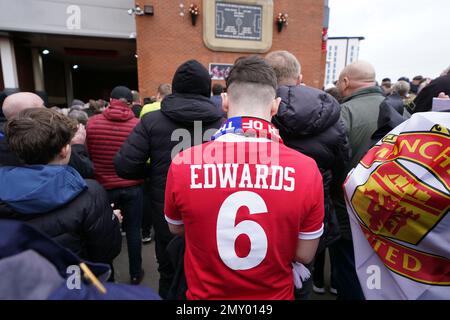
(58, 202)
(152, 137)
(308, 120)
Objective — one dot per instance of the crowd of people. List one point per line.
(225, 226)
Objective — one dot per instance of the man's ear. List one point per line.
(65, 152)
(346, 82)
(275, 106)
(225, 102)
(300, 79)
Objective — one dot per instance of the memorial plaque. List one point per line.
(238, 25)
(237, 21)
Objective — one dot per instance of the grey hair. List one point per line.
(79, 115)
(286, 66)
(402, 88)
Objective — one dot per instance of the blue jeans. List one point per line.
(130, 201)
(345, 277)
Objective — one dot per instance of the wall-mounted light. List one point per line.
(137, 10)
(45, 52)
(75, 67)
(136, 56)
(149, 10)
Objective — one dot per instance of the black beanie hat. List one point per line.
(192, 77)
(122, 92)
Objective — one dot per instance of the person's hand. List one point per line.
(80, 135)
(117, 213)
(442, 95)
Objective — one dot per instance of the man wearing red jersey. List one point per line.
(247, 205)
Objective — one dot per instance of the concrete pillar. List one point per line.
(38, 71)
(9, 66)
(69, 83)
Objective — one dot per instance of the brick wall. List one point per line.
(166, 40)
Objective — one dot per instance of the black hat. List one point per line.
(192, 77)
(122, 92)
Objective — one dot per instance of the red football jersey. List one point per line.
(243, 216)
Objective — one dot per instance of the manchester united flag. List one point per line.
(398, 200)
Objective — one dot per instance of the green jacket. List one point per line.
(360, 115)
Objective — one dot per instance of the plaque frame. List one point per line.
(237, 45)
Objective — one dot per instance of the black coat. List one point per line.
(395, 102)
(152, 139)
(424, 100)
(84, 225)
(309, 122)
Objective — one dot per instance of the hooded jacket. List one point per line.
(152, 137)
(309, 122)
(58, 202)
(105, 134)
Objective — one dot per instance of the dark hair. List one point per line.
(37, 135)
(252, 69)
(386, 80)
(418, 78)
(217, 89)
(149, 100)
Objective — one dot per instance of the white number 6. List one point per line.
(227, 232)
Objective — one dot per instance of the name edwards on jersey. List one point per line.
(243, 176)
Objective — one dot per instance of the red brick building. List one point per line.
(167, 39)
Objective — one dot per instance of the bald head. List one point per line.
(18, 102)
(356, 76)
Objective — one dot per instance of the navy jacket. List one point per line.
(45, 268)
(309, 122)
(58, 202)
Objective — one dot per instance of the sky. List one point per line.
(402, 37)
